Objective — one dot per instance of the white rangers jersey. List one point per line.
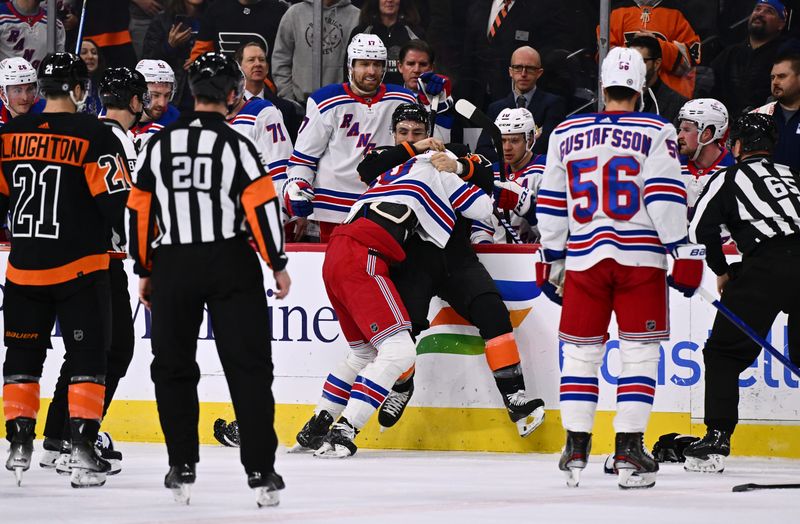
(26, 36)
(612, 188)
(338, 129)
(143, 131)
(696, 178)
(434, 196)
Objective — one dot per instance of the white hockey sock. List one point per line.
(636, 385)
(579, 386)
(336, 390)
(395, 355)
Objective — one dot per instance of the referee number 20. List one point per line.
(191, 172)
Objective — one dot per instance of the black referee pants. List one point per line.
(767, 283)
(226, 276)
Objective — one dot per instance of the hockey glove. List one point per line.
(687, 270)
(513, 197)
(550, 277)
(435, 84)
(669, 447)
(298, 196)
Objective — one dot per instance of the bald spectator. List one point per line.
(548, 109)
(659, 98)
(742, 71)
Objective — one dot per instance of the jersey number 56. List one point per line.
(620, 194)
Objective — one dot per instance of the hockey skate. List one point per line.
(88, 468)
(105, 448)
(636, 467)
(395, 404)
(311, 436)
(62, 462)
(266, 488)
(338, 443)
(227, 434)
(707, 455)
(575, 456)
(179, 480)
(51, 451)
(20, 430)
(526, 413)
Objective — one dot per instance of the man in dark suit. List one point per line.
(548, 109)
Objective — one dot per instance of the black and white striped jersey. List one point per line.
(756, 200)
(198, 180)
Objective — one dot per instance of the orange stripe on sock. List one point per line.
(502, 352)
(21, 400)
(448, 315)
(86, 400)
(407, 373)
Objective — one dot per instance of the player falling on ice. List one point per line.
(615, 206)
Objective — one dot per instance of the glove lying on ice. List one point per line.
(669, 447)
(513, 197)
(550, 277)
(298, 195)
(687, 269)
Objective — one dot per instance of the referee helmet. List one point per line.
(213, 75)
(755, 132)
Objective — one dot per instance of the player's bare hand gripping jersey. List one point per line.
(338, 129)
(434, 196)
(612, 188)
(64, 183)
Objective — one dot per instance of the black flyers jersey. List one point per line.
(63, 183)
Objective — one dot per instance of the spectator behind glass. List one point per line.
(659, 98)
(395, 22)
(142, 14)
(93, 58)
(106, 24)
(785, 111)
(291, 59)
(742, 70)
(170, 38)
(23, 31)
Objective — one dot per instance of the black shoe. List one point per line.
(707, 455)
(266, 487)
(179, 480)
(227, 434)
(635, 466)
(395, 404)
(338, 443)
(575, 456)
(312, 434)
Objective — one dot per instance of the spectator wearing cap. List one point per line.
(548, 109)
(659, 98)
(742, 70)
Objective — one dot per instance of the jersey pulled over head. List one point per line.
(119, 86)
(755, 132)
(705, 113)
(17, 84)
(623, 67)
(367, 75)
(213, 76)
(60, 74)
(410, 123)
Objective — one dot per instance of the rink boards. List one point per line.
(456, 405)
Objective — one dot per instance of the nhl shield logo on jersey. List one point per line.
(77, 335)
(650, 325)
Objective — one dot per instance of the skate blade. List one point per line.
(182, 494)
(630, 479)
(116, 467)
(573, 476)
(713, 464)
(84, 478)
(48, 459)
(299, 448)
(266, 498)
(18, 474)
(337, 451)
(527, 425)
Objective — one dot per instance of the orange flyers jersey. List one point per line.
(63, 182)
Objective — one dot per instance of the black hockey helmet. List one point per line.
(59, 73)
(755, 131)
(213, 75)
(414, 112)
(119, 85)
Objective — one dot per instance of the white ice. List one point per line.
(402, 487)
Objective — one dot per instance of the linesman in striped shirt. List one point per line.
(200, 190)
(758, 201)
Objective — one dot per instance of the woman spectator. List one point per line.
(170, 37)
(93, 58)
(393, 21)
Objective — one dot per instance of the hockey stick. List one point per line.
(750, 332)
(80, 28)
(753, 487)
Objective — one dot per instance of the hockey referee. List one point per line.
(758, 201)
(200, 189)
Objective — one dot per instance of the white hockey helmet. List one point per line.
(517, 121)
(624, 67)
(157, 71)
(16, 71)
(705, 112)
(364, 46)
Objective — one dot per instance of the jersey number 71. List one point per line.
(620, 194)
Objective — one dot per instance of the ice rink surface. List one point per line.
(402, 487)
